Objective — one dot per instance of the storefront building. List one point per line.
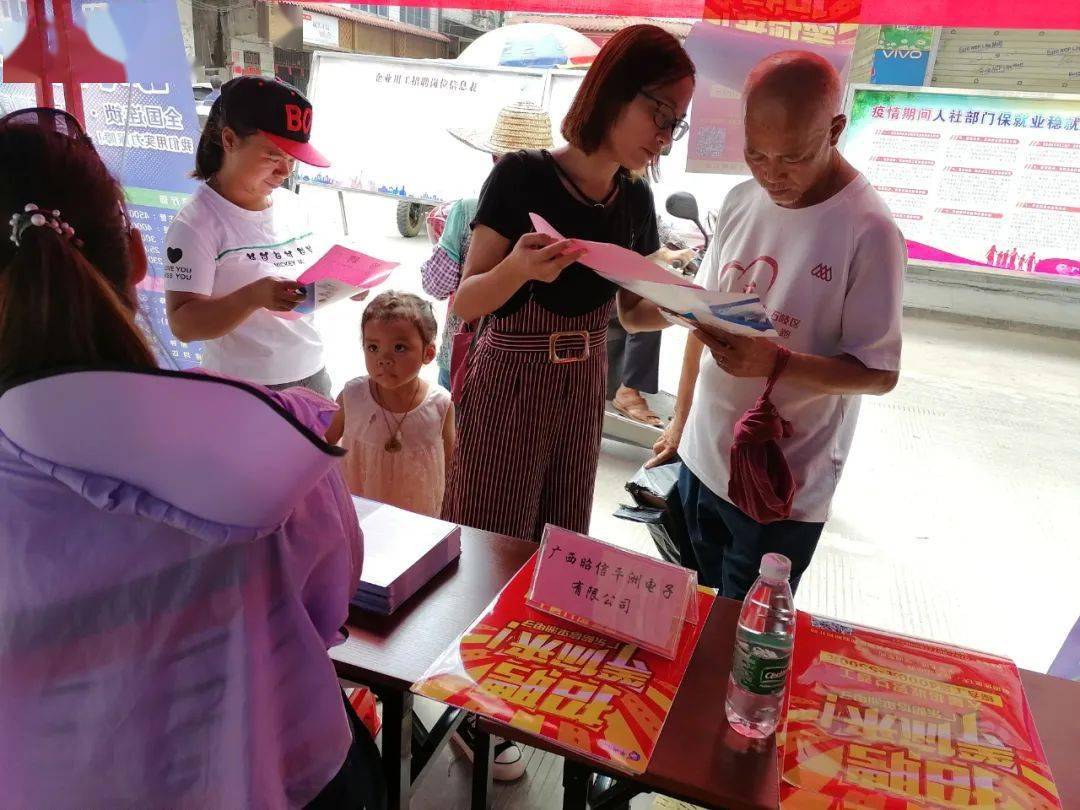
(299, 29)
(464, 26)
(277, 39)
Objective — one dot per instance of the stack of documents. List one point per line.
(403, 551)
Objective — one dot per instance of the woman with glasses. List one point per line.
(177, 550)
(533, 399)
(235, 250)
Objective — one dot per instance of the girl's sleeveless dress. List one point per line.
(413, 478)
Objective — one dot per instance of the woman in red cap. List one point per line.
(235, 249)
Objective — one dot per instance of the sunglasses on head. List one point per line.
(58, 121)
(49, 118)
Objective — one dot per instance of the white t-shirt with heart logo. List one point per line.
(214, 247)
(831, 277)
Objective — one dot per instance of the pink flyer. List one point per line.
(341, 273)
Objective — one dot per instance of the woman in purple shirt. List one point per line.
(177, 551)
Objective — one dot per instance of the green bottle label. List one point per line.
(760, 667)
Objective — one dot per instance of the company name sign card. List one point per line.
(628, 596)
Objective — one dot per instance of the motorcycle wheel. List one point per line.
(410, 218)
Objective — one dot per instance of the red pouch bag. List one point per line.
(460, 351)
(459, 354)
(761, 484)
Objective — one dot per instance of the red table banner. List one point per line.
(876, 720)
(584, 691)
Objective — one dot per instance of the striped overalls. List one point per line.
(530, 422)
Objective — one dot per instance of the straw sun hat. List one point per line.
(520, 126)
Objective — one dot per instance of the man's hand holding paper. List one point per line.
(738, 355)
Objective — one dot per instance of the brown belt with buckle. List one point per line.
(560, 347)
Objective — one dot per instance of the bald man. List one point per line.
(812, 238)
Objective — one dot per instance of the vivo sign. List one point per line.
(902, 53)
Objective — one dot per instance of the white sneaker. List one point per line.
(509, 761)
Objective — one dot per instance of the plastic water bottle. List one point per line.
(762, 658)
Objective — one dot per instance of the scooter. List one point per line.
(683, 205)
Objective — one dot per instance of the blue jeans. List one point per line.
(444, 377)
(728, 545)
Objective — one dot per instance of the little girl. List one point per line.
(398, 429)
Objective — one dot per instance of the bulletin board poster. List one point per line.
(603, 698)
(888, 722)
(975, 180)
(384, 123)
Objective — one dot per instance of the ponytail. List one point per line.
(210, 154)
(57, 310)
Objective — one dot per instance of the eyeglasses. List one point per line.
(59, 121)
(665, 120)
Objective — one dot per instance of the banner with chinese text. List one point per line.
(145, 129)
(581, 690)
(975, 180)
(808, 11)
(724, 53)
(884, 721)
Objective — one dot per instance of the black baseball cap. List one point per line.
(276, 109)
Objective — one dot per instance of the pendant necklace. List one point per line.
(393, 443)
(598, 204)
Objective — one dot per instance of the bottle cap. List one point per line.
(775, 567)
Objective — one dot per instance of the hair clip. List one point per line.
(34, 217)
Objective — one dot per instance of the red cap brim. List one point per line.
(304, 152)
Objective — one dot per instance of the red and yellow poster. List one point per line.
(549, 677)
(881, 721)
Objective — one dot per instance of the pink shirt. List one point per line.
(150, 656)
